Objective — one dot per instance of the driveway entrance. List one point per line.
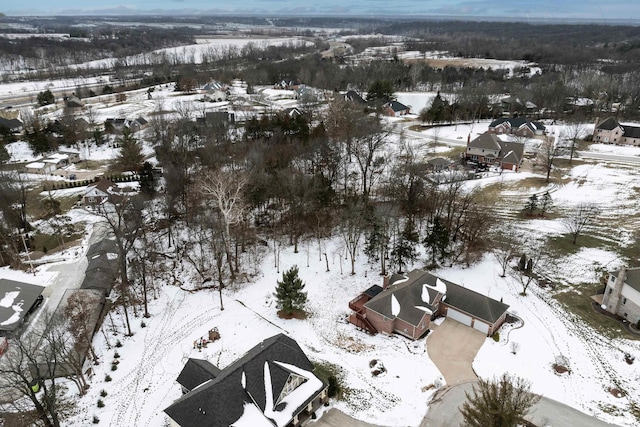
(452, 346)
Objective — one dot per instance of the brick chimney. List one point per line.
(385, 281)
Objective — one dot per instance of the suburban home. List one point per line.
(611, 132)
(355, 98)
(73, 156)
(100, 192)
(406, 305)
(395, 109)
(216, 91)
(103, 267)
(40, 167)
(18, 299)
(273, 384)
(517, 126)
(73, 103)
(622, 294)
(13, 125)
(438, 164)
(489, 149)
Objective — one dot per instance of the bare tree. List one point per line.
(580, 218)
(225, 190)
(351, 228)
(505, 245)
(367, 149)
(574, 132)
(547, 154)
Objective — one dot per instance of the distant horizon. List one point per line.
(585, 11)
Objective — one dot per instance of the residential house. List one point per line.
(610, 131)
(517, 126)
(395, 109)
(622, 294)
(355, 98)
(40, 167)
(216, 91)
(489, 149)
(273, 384)
(406, 305)
(13, 125)
(73, 103)
(101, 192)
(18, 299)
(73, 156)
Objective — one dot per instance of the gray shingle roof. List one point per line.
(633, 278)
(26, 297)
(609, 124)
(220, 401)
(511, 152)
(408, 291)
(397, 106)
(487, 141)
(196, 372)
(474, 303)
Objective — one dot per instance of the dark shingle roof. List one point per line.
(476, 304)
(408, 291)
(631, 131)
(26, 296)
(517, 123)
(220, 401)
(196, 372)
(397, 106)
(353, 96)
(608, 124)
(486, 141)
(102, 247)
(511, 152)
(633, 278)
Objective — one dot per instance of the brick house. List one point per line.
(622, 294)
(406, 305)
(101, 192)
(517, 126)
(489, 149)
(610, 131)
(395, 109)
(273, 384)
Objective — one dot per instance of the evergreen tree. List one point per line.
(405, 250)
(545, 203)
(380, 92)
(501, 402)
(437, 239)
(532, 204)
(289, 292)
(130, 157)
(147, 180)
(46, 98)
(523, 262)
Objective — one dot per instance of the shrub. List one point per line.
(143, 325)
(496, 336)
(103, 393)
(118, 344)
(100, 403)
(107, 378)
(96, 420)
(116, 355)
(114, 366)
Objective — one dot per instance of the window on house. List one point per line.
(624, 300)
(610, 290)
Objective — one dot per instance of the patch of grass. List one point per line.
(49, 241)
(578, 301)
(295, 314)
(563, 245)
(330, 374)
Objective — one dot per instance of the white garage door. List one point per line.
(459, 316)
(481, 326)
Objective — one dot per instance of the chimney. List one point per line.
(385, 281)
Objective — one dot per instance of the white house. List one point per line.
(622, 294)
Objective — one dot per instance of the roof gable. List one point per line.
(487, 141)
(196, 372)
(255, 378)
(609, 124)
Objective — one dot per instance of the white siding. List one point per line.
(631, 294)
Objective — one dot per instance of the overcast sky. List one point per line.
(510, 9)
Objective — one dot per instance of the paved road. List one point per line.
(444, 411)
(608, 157)
(452, 346)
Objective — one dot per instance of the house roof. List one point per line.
(487, 140)
(474, 303)
(353, 96)
(104, 185)
(102, 247)
(632, 277)
(11, 124)
(16, 298)
(416, 288)
(608, 124)
(254, 381)
(409, 297)
(396, 106)
(511, 152)
(439, 161)
(631, 131)
(517, 123)
(196, 372)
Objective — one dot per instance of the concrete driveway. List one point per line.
(452, 346)
(336, 418)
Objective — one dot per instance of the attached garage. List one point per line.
(459, 316)
(481, 326)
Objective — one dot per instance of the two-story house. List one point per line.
(489, 149)
(611, 132)
(622, 294)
